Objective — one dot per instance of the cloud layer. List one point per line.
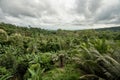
(65, 14)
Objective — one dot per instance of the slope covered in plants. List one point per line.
(38, 54)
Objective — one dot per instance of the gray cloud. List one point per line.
(108, 12)
(99, 11)
(81, 6)
(1, 14)
(60, 13)
(87, 8)
(18, 8)
(94, 5)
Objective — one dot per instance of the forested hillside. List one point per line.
(117, 28)
(28, 53)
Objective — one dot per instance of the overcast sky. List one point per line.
(65, 14)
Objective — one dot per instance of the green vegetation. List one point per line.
(116, 28)
(38, 54)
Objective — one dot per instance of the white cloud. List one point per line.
(65, 14)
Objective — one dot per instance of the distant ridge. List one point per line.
(117, 28)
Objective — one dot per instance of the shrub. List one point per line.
(3, 35)
(16, 40)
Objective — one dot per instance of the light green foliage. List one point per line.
(3, 35)
(68, 73)
(16, 39)
(101, 65)
(38, 54)
(5, 77)
(102, 45)
(36, 72)
(46, 61)
(3, 71)
(7, 60)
